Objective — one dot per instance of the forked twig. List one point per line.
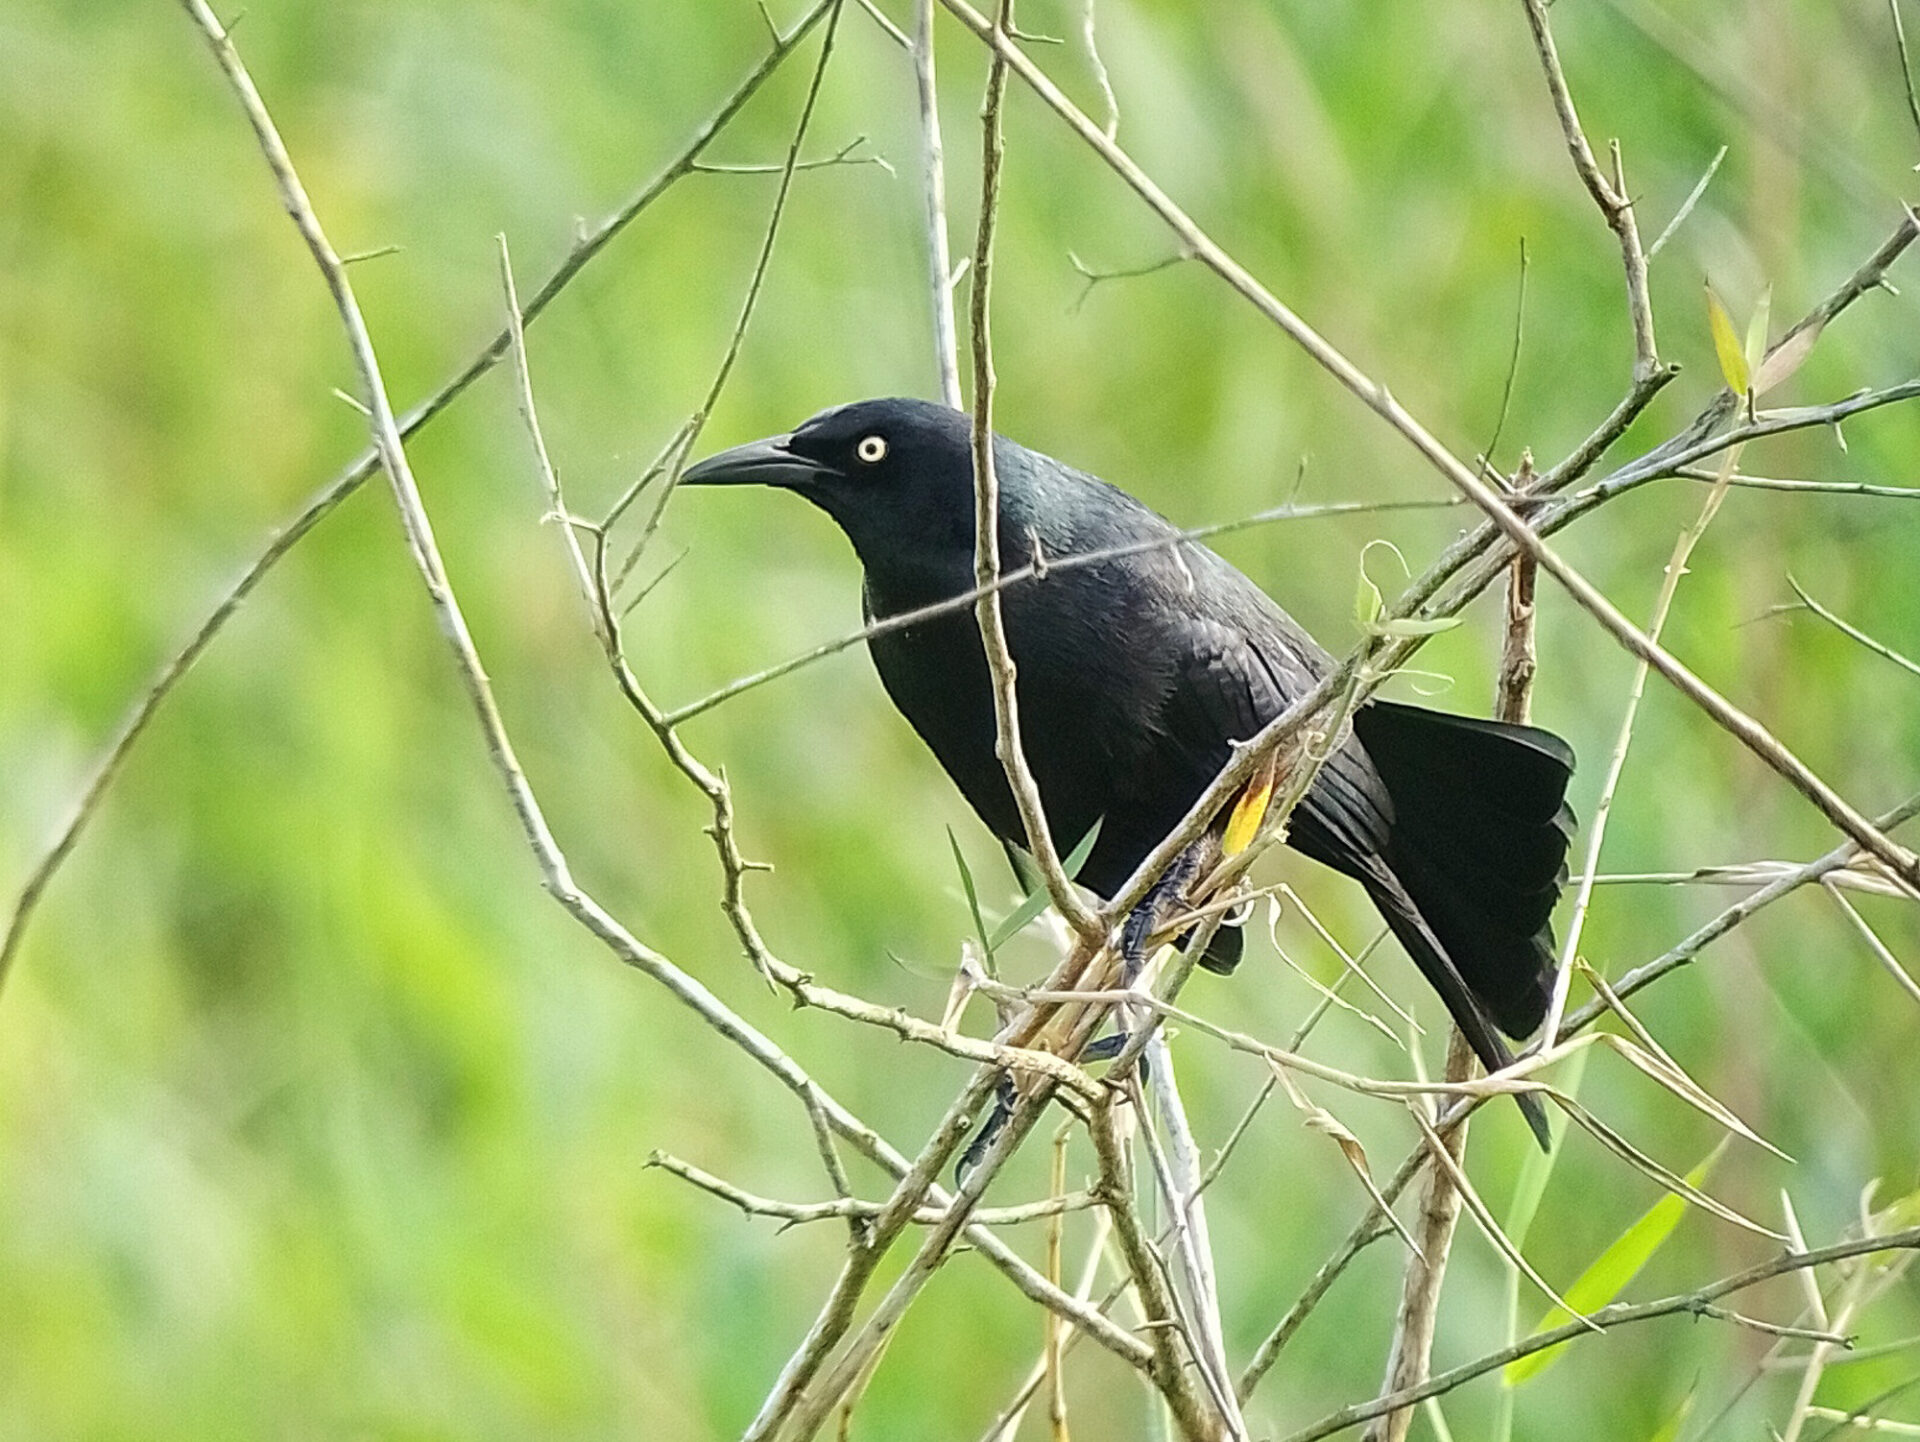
(1694, 1303)
(288, 535)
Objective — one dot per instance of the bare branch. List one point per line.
(1409, 1356)
(1147, 1269)
(1729, 717)
(1615, 205)
(1906, 65)
(1618, 1315)
(794, 1213)
(986, 521)
(1879, 648)
(1687, 205)
(323, 503)
(946, 345)
(1818, 488)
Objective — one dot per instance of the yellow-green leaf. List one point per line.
(1726, 345)
(1366, 601)
(1670, 1429)
(1757, 325)
(1610, 1272)
(1037, 900)
(1412, 626)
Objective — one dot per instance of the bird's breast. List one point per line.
(1085, 692)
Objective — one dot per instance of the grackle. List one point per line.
(1137, 672)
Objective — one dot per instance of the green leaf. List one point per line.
(1367, 601)
(1082, 849)
(973, 897)
(1726, 345)
(1670, 1429)
(1757, 332)
(1036, 899)
(1610, 1272)
(1537, 1170)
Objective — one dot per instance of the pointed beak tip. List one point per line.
(770, 462)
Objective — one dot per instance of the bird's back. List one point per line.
(1140, 658)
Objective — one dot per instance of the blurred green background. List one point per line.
(317, 1119)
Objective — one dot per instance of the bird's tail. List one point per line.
(1479, 847)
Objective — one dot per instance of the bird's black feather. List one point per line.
(1136, 674)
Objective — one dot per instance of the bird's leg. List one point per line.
(1140, 924)
(1144, 918)
(1005, 1094)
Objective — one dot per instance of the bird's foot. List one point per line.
(1142, 920)
(1005, 1095)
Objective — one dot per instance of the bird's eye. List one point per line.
(871, 450)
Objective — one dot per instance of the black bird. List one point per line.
(1136, 673)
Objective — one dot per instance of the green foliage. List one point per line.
(1610, 1272)
(317, 1118)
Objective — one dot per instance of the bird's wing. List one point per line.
(1227, 685)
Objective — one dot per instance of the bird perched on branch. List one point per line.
(1139, 670)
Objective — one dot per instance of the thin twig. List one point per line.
(1054, 1334)
(1881, 951)
(1617, 760)
(1879, 648)
(1906, 65)
(1609, 195)
(1756, 737)
(1007, 1423)
(795, 1213)
(1094, 277)
(1827, 488)
(843, 156)
(328, 498)
(946, 345)
(543, 462)
(1687, 205)
(1617, 1315)
(1111, 127)
(1513, 365)
(986, 522)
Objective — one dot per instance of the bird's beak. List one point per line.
(771, 462)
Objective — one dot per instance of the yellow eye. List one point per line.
(872, 450)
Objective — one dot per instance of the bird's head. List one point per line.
(896, 474)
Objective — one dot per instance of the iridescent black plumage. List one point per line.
(1137, 672)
